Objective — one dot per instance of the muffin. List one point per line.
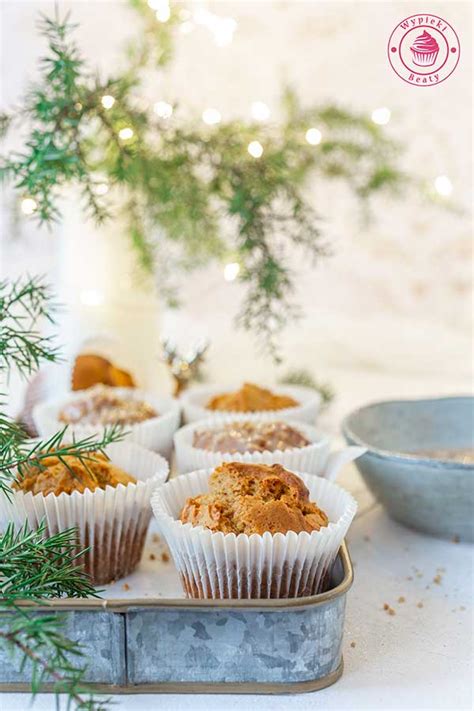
(102, 405)
(254, 498)
(252, 530)
(207, 443)
(284, 402)
(108, 500)
(147, 420)
(250, 398)
(248, 436)
(67, 474)
(89, 369)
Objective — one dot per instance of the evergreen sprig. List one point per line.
(33, 566)
(190, 187)
(22, 305)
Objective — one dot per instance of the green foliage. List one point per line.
(193, 187)
(32, 566)
(22, 304)
(303, 377)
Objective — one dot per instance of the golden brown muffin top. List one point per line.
(68, 474)
(102, 405)
(254, 498)
(250, 398)
(249, 436)
(90, 369)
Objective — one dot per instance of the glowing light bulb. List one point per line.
(91, 297)
(231, 271)
(222, 28)
(381, 116)
(101, 189)
(162, 7)
(260, 111)
(28, 206)
(211, 116)
(107, 101)
(443, 185)
(125, 133)
(255, 149)
(223, 31)
(163, 109)
(313, 136)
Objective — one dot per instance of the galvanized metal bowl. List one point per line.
(435, 496)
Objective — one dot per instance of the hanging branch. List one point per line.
(195, 187)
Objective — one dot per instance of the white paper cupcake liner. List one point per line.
(195, 398)
(155, 433)
(311, 458)
(315, 458)
(112, 522)
(218, 566)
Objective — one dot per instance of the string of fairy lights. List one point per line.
(222, 30)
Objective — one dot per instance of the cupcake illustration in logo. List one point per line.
(425, 50)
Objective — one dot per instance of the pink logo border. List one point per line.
(405, 19)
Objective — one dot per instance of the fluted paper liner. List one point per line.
(195, 398)
(113, 521)
(156, 433)
(220, 566)
(311, 458)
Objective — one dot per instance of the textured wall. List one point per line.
(393, 302)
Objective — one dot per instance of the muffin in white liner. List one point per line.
(112, 522)
(194, 402)
(155, 433)
(314, 458)
(221, 566)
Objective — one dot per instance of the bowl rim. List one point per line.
(404, 457)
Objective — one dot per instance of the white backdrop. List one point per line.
(390, 312)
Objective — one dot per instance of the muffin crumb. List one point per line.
(155, 538)
(165, 557)
(401, 599)
(125, 586)
(353, 644)
(437, 579)
(152, 556)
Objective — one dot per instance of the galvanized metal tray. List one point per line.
(145, 636)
